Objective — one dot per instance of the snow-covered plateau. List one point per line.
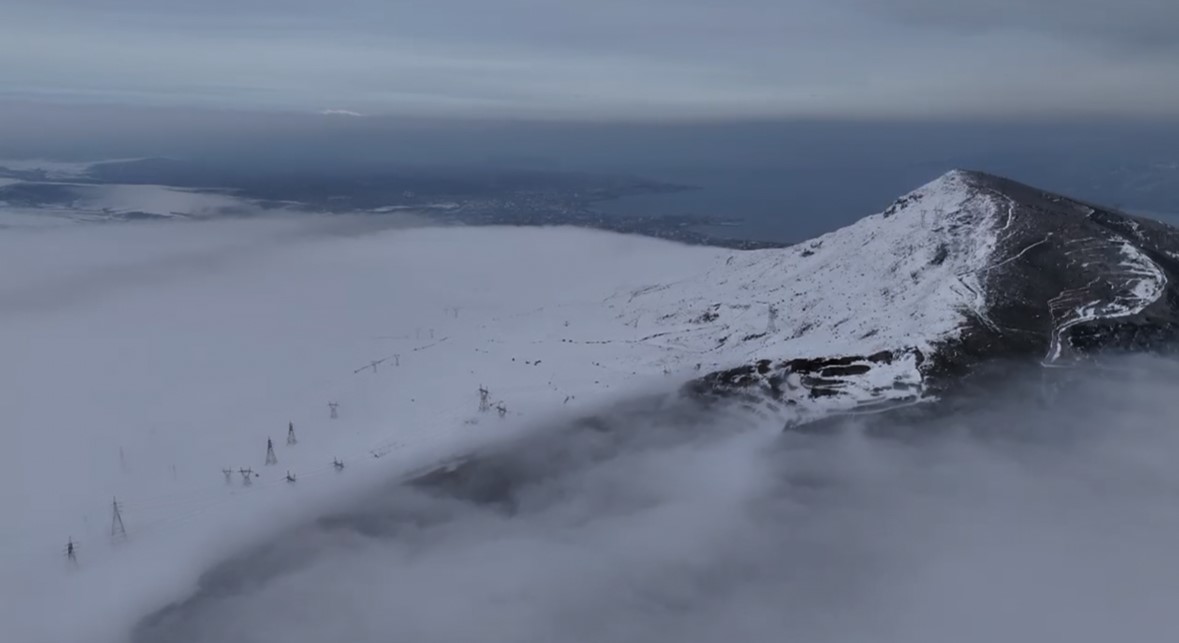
(145, 366)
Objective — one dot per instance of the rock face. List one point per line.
(900, 307)
(806, 388)
(1070, 279)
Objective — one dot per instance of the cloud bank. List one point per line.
(606, 59)
(1043, 513)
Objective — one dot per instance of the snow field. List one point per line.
(140, 360)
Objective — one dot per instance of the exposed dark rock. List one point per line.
(1065, 282)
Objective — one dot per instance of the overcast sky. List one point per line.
(603, 58)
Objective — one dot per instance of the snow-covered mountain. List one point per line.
(150, 363)
(897, 307)
(897, 310)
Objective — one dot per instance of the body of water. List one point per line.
(775, 205)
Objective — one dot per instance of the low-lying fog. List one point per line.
(1039, 513)
(1021, 518)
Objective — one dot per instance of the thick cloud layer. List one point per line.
(602, 59)
(1039, 514)
(1129, 24)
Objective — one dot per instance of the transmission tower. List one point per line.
(118, 531)
(247, 476)
(228, 473)
(484, 400)
(291, 434)
(334, 409)
(338, 464)
(290, 478)
(270, 457)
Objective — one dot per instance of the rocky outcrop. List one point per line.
(1035, 277)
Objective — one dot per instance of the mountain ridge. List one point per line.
(967, 269)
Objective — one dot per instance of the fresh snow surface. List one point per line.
(906, 278)
(141, 359)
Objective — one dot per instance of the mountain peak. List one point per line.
(942, 194)
(895, 308)
(955, 178)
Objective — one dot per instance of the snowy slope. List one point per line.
(895, 308)
(142, 360)
(145, 359)
(904, 280)
(900, 278)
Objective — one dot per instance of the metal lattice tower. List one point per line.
(118, 530)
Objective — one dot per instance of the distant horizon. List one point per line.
(62, 130)
(13, 104)
(792, 178)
